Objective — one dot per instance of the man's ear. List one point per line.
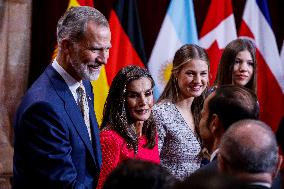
(215, 125)
(66, 45)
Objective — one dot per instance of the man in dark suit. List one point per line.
(56, 133)
(248, 150)
(226, 105)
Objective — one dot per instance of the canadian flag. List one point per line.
(256, 24)
(218, 30)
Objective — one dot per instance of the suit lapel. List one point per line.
(71, 107)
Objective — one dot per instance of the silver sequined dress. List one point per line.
(179, 146)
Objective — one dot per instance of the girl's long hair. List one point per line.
(226, 65)
(171, 92)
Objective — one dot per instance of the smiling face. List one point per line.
(87, 56)
(243, 68)
(139, 99)
(193, 78)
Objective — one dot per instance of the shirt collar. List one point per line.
(72, 83)
(214, 154)
(268, 185)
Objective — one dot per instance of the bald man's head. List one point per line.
(250, 146)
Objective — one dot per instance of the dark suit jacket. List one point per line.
(210, 167)
(213, 167)
(52, 146)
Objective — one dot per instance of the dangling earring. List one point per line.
(176, 87)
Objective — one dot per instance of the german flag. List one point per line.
(127, 42)
(127, 48)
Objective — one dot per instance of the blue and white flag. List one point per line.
(178, 28)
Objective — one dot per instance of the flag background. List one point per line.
(217, 31)
(178, 28)
(256, 24)
(282, 56)
(151, 13)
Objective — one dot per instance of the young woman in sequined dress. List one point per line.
(177, 111)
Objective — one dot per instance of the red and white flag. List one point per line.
(218, 30)
(256, 24)
(282, 56)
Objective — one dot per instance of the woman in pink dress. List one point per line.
(127, 129)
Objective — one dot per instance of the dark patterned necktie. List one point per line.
(83, 103)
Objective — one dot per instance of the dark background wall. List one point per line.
(152, 12)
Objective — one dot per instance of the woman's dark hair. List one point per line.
(226, 65)
(171, 92)
(115, 114)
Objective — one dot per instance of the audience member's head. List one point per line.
(139, 174)
(226, 105)
(209, 180)
(249, 150)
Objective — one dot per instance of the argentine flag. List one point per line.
(178, 28)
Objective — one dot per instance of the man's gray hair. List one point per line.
(250, 146)
(73, 23)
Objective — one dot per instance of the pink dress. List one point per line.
(115, 150)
